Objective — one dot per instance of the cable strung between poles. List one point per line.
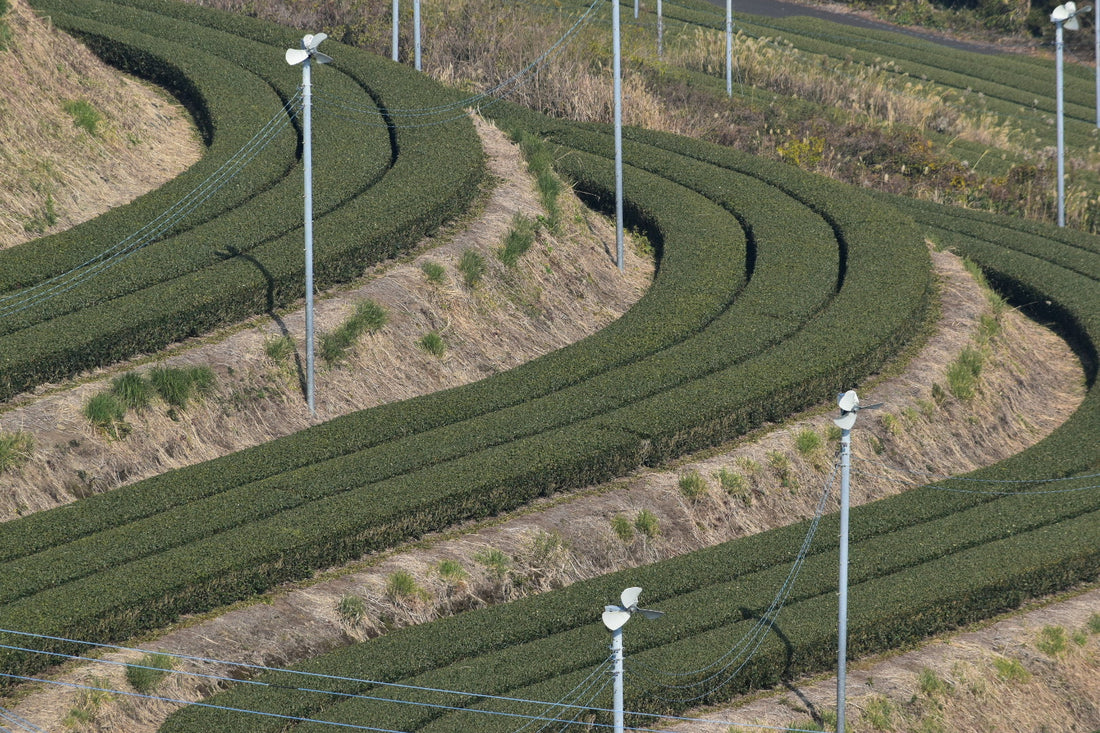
(754, 637)
(31, 296)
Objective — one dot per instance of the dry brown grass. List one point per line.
(56, 174)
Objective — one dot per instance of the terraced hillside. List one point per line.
(775, 289)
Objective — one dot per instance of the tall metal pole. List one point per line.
(1060, 125)
(618, 134)
(729, 48)
(842, 618)
(307, 163)
(661, 30)
(396, 26)
(1096, 55)
(617, 676)
(636, 9)
(416, 32)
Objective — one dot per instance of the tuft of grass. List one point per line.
(781, 467)
(734, 484)
(147, 675)
(172, 384)
(472, 267)
(518, 240)
(434, 271)
(693, 486)
(85, 116)
(647, 524)
(878, 712)
(1052, 641)
(931, 684)
(1094, 623)
(279, 348)
(495, 561)
(891, 423)
(15, 449)
(88, 702)
(808, 442)
(401, 587)
(132, 391)
(351, 609)
(433, 343)
(106, 413)
(368, 317)
(962, 374)
(452, 572)
(623, 528)
(1010, 670)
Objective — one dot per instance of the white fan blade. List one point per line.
(312, 42)
(295, 56)
(650, 614)
(630, 598)
(848, 401)
(614, 620)
(1060, 13)
(845, 421)
(321, 58)
(1072, 24)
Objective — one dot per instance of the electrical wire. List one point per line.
(753, 638)
(991, 492)
(20, 300)
(19, 722)
(493, 94)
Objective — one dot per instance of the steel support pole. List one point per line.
(617, 675)
(842, 617)
(729, 48)
(661, 30)
(1060, 104)
(1096, 54)
(396, 27)
(618, 71)
(416, 32)
(307, 165)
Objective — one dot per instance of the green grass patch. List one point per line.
(132, 390)
(15, 449)
(693, 486)
(146, 676)
(107, 413)
(85, 116)
(963, 373)
(433, 343)
(434, 271)
(472, 267)
(518, 240)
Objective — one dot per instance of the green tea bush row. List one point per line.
(232, 263)
(962, 566)
(227, 529)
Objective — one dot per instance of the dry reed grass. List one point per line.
(55, 174)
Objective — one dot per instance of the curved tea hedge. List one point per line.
(922, 562)
(755, 311)
(378, 189)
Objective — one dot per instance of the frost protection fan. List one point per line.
(310, 42)
(614, 617)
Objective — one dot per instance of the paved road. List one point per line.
(781, 9)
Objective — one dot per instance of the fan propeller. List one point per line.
(310, 42)
(615, 617)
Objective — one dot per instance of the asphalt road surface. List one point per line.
(781, 9)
